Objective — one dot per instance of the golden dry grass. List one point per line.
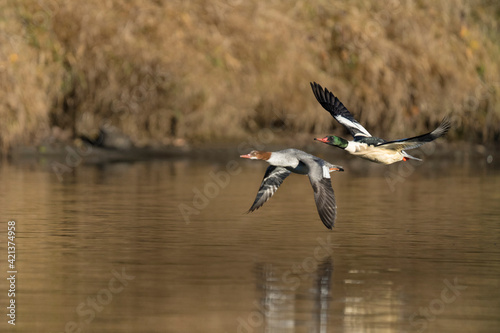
(213, 71)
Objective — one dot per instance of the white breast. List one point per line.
(283, 160)
(373, 153)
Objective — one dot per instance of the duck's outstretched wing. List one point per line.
(417, 141)
(273, 178)
(338, 111)
(325, 200)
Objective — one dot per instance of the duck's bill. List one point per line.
(245, 156)
(325, 140)
(336, 168)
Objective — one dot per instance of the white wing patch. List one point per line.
(353, 126)
(326, 172)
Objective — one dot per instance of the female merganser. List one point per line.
(364, 145)
(286, 161)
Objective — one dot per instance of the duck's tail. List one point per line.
(407, 157)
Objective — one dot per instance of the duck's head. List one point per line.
(333, 141)
(257, 155)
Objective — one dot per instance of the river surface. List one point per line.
(167, 246)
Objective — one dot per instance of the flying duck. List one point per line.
(286, 161)
(364, 144)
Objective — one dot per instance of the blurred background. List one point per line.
(191, 72)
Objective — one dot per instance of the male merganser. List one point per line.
(364, 145)
(286, 161)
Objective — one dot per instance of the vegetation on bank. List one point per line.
(214, 71)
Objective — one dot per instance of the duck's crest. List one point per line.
(264, 155)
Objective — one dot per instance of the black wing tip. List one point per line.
(329, 101)
(318, 92)
(442, 129)
(445, 124)
(253, 209)
(321, 93)
(315, 86)
(329, 224)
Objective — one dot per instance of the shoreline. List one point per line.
(91, 154)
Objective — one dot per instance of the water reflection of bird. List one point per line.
(285, 299)
(323, 295)
(286, 161)
(364, 144)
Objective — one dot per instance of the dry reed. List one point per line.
(213, 71)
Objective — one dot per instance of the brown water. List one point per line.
(106, 248)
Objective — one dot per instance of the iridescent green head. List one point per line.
(334, 141)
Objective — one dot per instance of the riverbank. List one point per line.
(71, 155)
(221, 71)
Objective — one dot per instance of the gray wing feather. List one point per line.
(325, 201)
(417, 141)
(273, 178)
